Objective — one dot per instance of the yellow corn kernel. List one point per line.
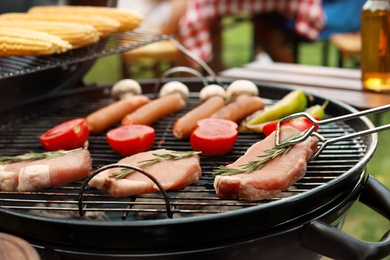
(21, 42)
(129, 20)
(104, 25)
(78, 35)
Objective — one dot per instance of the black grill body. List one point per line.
(138, 227)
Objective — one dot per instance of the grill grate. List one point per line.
(22, 135)
(114, 44)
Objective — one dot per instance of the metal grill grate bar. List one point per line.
(22, 135)
(114, 44)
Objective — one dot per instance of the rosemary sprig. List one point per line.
(174, 156)
(31, 156)
(251, 166)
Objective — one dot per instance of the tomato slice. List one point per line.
(69, 135)
(214, 136)
(131, 139)
(302, 124)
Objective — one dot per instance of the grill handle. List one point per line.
(331, 242)
(151, 177)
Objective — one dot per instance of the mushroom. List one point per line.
(239, 88)
(210, 91)
(126, 88)
(174, 86)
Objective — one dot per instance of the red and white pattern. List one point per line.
(195, 28)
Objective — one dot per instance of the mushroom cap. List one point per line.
(175, 86)
(125, 88)
(241, 87)
(212, 90)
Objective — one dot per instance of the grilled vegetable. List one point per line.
(21, 42)
(125, 88)
(175, 87)
(104, 25)
(214, 136)
(128, 20)
(69, 135)
(241, 87)
(77, 34)
(211, 91)
(131, 139)
(293, 102)
(318, 110)
(301, 123)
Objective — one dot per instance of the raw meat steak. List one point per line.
(171, 174)
(44, 173)
(276, 176)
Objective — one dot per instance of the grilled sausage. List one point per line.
(184, 126)
(156, 109)
(240, 108)
(113, 113)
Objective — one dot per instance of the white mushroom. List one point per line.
(126, 88)
(174, 86)
(241, 87)
(212, 90)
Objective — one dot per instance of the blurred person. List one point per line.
(341, 16)
(160, 16)
(275, 38)
(279, 41)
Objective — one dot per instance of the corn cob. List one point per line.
(104, 25)
(21, 42)
(129, 20)
(78, 35)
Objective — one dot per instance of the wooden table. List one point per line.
(333, 83)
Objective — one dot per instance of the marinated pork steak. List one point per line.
(39, 174)
(171, 174)
(276, 176)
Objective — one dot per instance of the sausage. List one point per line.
(156, 109)
(184, 126)
(113, 113)
(239, 109)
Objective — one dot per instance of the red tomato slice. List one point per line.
(69, 135)
(301, 124)
(131, 139)
(214, 136)
(269, 127)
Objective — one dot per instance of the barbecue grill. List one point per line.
(202, 225)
